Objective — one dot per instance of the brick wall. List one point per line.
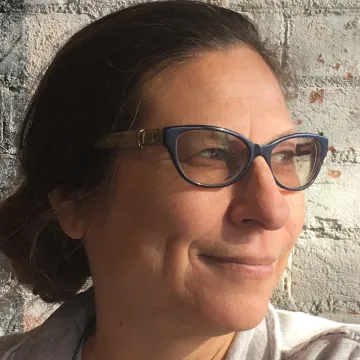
(322, 37)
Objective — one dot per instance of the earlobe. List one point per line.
(68, 215)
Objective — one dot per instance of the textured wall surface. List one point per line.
(323, 38)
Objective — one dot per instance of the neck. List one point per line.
(126, 336)
(159, 347)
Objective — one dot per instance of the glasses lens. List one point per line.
(211, 157)
(296, 161)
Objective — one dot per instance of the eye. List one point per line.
(284, 157)
(214, 153)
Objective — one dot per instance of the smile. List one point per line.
(252, 267)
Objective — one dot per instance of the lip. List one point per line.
(249, 266)
(245, 260)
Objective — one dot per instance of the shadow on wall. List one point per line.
(13, 95)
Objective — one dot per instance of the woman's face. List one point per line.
(148, 245)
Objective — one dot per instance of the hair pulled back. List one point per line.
(90, 89)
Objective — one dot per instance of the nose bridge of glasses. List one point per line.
(262, 150)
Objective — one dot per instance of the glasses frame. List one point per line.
(168, 136)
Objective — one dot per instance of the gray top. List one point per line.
(282, 335)
(78, 351)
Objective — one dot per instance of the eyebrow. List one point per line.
(285, 133)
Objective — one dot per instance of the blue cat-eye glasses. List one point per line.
(213, 157)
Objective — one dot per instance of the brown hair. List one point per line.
(89, 90)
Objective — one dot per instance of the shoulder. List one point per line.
(57, 338)
(11, 342)
(304, 336)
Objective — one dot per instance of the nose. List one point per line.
(257, 199)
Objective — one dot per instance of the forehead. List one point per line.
(233, 88)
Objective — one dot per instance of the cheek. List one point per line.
(185, 217)
(156, 215)
(195, 212)
(297, 209)
(166, 201)
(293, 228)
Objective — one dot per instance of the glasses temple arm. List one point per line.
(131, 139)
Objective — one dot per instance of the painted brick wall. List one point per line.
(322, 37)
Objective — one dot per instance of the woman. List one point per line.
(141, 167)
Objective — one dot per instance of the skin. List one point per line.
(145, 235)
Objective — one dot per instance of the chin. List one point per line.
(226, 299)
(223, 314)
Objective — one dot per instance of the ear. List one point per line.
(68, 213)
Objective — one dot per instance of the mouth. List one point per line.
(252, 267)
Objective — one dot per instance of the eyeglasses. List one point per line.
(213, 157)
